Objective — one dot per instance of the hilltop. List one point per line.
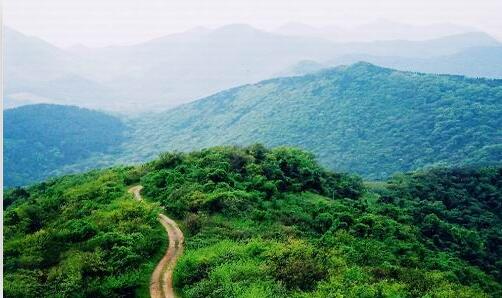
(40, 140)
(257, 222)
(360, 118)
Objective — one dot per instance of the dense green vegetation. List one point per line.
(39, 140)
(258, 222)
(458, 210)
(362, 118)
(272, 223)
(79, 236)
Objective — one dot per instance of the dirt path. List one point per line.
(161, 282)
(135, 191)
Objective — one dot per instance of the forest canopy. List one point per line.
(40, 140)
(361, 118)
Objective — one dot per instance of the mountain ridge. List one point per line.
(40, 140)
(360, 118)
(261, 111)
(180, 68)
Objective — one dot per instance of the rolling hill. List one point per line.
(362, 118)
(478, 62)
(40, 140)
(257, 222)
(485, 62)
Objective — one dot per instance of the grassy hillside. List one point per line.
(258, 222)
(79, 236)
(272, 223)
(39, 140)
(362, 118)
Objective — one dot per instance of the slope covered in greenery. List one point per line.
(39, 140)
(362, 118)
(272, 223)
(258, 222)
(79, 236)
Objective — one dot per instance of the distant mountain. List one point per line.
(363, 118)
(302, 68)
(68, 89)
(180, 68)
(299, 29)
(377, 30)
(420, 49)
(30, 59)
(388, 30)
(474, 62)
(478, 62)
(39, 140)
(36, 71)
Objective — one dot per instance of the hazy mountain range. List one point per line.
(179, 68)
(376, 30)
(474, 62)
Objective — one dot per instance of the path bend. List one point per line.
(161, 281)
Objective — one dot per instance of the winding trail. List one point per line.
(161, 282)
(135, 191)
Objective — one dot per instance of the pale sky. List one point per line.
(105, 22)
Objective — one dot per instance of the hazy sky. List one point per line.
(105, 22)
